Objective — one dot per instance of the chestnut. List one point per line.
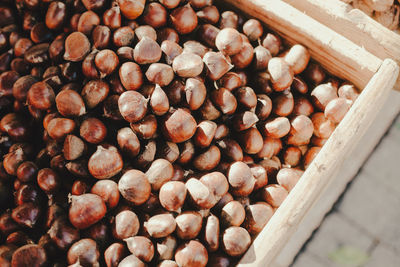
(207, 160)
(205, 133)
(114, 254)
(128, 141)
(253, 29)
(323, 127)
(131, 76)
(147, 51)
(105, 162)
(240, 179)
(257, 216)
(188, 224)
(134, 187)
(232, 214)
(191, 254)
(70, 103)
(161, 225)
(235, 240)
(131, 9)
(172, 195)
(217, 65)
(347, 91)
(41, 96)
(108, 191)
(86, 210)
(93, 130)
(160, 172)
(288, 177)
(187, 65)
(84, 252)
(59, 128)
(132, 105)
(184, 19)
(310, 155)
(74, 147)
(77, 46)
(30, 254)
(159, 101)
(130, 261)
(126, 224)
(281, 73)
(229, 19)
(337, 109)
(145, 128)
(141, 247)
(323, 94)
(95, 92)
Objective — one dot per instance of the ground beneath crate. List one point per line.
(363, 228)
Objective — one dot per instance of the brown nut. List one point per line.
(126, 224)
(217, 65)
(200, 194)
(323, 94)
(337, 109)
(160, 73)
(105, 162)
(232, 214)
(159, 101)
(347, 91)
(134, 187)
(161, 225)
(114, 254)
(301, 131)
(257, 216)
(251, 141)
(191, 254)
(108, 191)
(141, 247)
(278, 127)
(188, 224)
(131, 9)
(207, 160)
(77, 46)
(31, 254)
(147, 51)
(128, 141)
(297, 57)
(166, 247)
(260, 174)
(274, 194)
(86, 210)
(184, 19)
(236, 240)
(288, 177)
(240, 179)
(179, 126)
(205, 133)
(211, 233)
(283, 104)
(310, 155)
(70, 103)
(160, 172)
(93, 130)
(172, 195)
(84, 252)
(323, 127)
(132, 105)
(281, 73)
(187, 65)
(131, 76)
(58, 128)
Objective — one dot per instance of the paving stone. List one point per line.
(307, 259)
(384, 164)
(383, 256)
(336, 232)
(374, 208)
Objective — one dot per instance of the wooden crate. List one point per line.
(355, 25)
(345, 59)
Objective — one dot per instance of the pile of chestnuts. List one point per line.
(150, 133)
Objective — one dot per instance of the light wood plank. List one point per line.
(347, 172)
(337, 54)
(283, 224)
(354, 25)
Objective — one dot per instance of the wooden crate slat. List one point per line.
(282, 225)
(354, 25)
(336, 53)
